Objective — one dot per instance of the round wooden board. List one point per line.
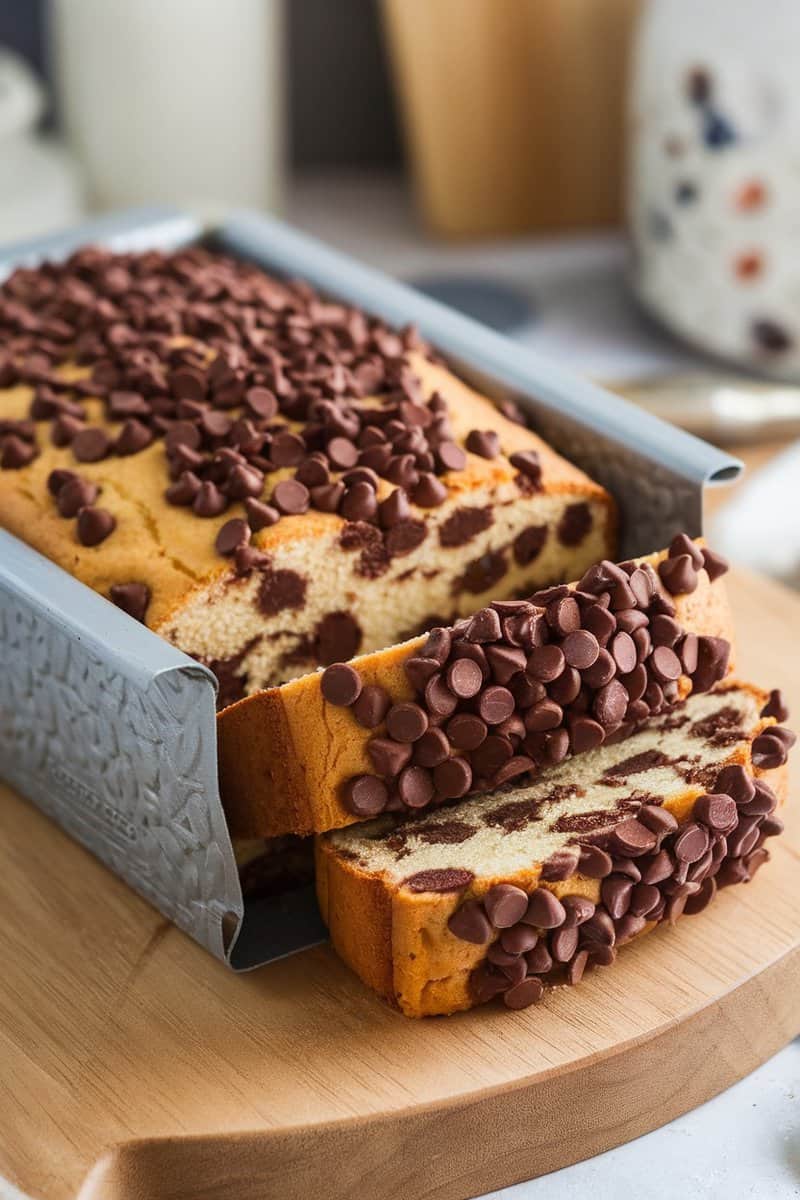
(135, 1067)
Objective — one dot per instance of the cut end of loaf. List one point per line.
(590, 828)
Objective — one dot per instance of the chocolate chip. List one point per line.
(484, 627)
(632, 837)
(244, 482)
(691, 843)
(539, 960)
(415, 787)
(184, 490)
(718, 812)
(470, 923)
(519, 939)
(546, 663)
(495, 704)
(505, 905)
(209, 501)
(545, 910)
(665, 664)
(616, 892)
(464, 678)
(601, 672)
(370, 705)
(429, 492)
(678, 575)
(259, 514)
(406, 722)
(453, 778)
(439, 699)
(327, 497)
(90, 445)
(231, 536)
(76, 494)
(431, 749)
(563, 615)
(341, 685)
(359, 503)
(528, 463)
(388, 757)
(291, 497)
(518, 764)
(682, 544)
(95, 525)
(123, 404)
(466, 731)
(564, 943)
(394, 509)
(585, 734)
(287, 450)
(768, 751)
(133, 437)
(594, 862)
(342, 453)
(57, 479)
(575, 524)
(484, 443)
(579, 909)
(581, 649)
(714, 564)
(659, 819)
(543, 716)
(610, 704)
(132, 598)
(261, 403)
(776, 706)
(561, 864)
(712, 654)
(16, 453)
(365, 795)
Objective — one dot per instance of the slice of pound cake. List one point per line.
(531, 885)
(268, 480)
(519, 685)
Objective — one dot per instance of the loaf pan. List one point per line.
(111, 731)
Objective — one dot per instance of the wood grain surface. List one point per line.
(135, 1067)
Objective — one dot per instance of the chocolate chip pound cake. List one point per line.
(531, 885)
(269, 480)
(519, 685)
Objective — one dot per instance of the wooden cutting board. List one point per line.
(135, 1067)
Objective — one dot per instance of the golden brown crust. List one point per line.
(428, 970)
(285, 752)
(170, 549)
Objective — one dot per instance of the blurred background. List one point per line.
(614, 185)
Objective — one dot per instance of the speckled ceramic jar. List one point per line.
(714, 176)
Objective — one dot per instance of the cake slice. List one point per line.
(268, 480)
(519, 685)
(530, 885)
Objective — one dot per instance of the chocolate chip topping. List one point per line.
(94, 525)
(484, 443)
(132, 598)
(660, 870)
(341, 684)
(524, 683)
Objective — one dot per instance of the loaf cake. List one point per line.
(530, 885)
(517, 685)
(270, 481)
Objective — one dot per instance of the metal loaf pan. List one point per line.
(111, 731)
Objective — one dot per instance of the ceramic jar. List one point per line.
(714, 176)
